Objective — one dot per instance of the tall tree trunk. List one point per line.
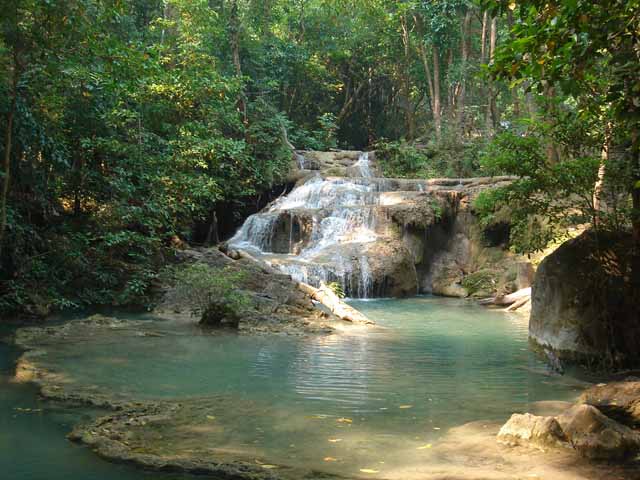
(635, 194)
(492, 118)
(234, 31)
(437, 109)
(433, 82)
(8, 144)
(425, 60)
(406, 80)
(553, 155)
(483, 39)
(635, 216)
(463, 81)
(598, 187)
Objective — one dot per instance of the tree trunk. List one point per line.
(483, 40)
(406, 81)
(437, 118)
(7, 173)
(598, 187)
(8, 144)
(492, 118)
(465, 57)
(234, 30)
(553, 156)
(635, 194)
(213, 238)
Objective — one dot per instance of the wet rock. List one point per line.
(618, 400)
(526, 429)
(583, 303)
(277, 305)
(597, 437)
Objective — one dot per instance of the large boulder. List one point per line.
(583, 303)
(527, 429)
(619, 400)
(596, 436)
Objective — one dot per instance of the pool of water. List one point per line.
(354, 399)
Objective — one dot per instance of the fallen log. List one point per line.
(506, 300)
(335, 304)
(519, 304)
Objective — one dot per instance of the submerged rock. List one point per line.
(583, 303)
(527, 429)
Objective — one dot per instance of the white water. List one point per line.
(342, 212)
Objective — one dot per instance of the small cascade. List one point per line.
(363, 166)
(341, 215)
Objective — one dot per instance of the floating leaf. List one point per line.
(330, 459)
(404, 407)
(269, 467)
(369, 470)
(335, 440)
(211, 417)
(344, 420)
(424, 447)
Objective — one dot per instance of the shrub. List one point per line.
(212, 293)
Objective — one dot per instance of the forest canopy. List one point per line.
(129, 124)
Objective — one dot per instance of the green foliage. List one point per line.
(480, 281)
(212, 293)
(404, 160)
(448, 157)
(547, 198)
(337, 289)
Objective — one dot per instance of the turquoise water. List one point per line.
(33, 444)
(437, 363)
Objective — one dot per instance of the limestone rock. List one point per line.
(583, 304)
(530, 430)
(595, 436)
(618, 400)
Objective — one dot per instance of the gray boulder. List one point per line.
(584, 307)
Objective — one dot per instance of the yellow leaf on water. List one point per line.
(344, 420)
(211, 417)
(335, 440)
(330, 459)
(424, 447)
(404, 407)
(268, 467)
(436, 428)
(368, 470)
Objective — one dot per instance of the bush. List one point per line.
(450, 157)
(212, 293)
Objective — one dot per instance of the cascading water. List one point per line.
(340, 214)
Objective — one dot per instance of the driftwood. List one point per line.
(520, 303)
(520, 297)
(335, 304)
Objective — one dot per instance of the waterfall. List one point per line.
(340, 215)
(363, 165)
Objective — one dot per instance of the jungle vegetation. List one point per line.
(128, 126)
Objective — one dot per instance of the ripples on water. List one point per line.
(436, 363)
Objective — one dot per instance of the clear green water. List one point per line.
(437, 363)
